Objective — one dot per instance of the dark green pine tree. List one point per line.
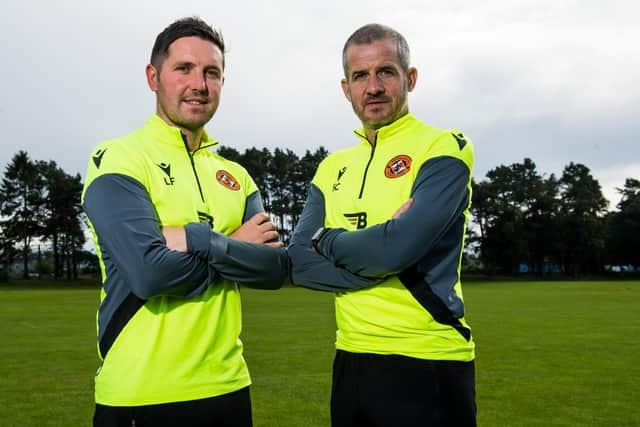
(21, 202)
(623, 227)
(63, 219)
(582, 226)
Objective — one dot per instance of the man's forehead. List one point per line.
(193, 46)
(378, 52)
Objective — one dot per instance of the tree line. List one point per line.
(282, 178)
(40, 207)
(528, 222)
(40, 202)
(522, 220)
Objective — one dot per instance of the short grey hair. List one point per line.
(370, 33)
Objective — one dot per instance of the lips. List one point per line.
(375, 104)
(196, 101)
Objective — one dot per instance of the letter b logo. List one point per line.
(358, 219)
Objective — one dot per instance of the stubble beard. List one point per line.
(179, 119)
(383, 121)
(393, 115)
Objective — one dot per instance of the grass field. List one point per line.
(548, 354)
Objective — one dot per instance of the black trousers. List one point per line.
(228, 410)
(372, 390)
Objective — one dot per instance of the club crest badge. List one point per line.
(398, 166)
(227, 180)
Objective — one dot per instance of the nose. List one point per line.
(199, 83)
(374, 85)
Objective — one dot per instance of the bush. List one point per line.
(43, 268)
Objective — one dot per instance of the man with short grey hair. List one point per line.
(383, 227)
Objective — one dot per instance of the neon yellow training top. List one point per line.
(169, 322)
(412, 303)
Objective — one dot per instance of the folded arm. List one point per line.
(309, 269)
(255, 265)
(440, 194)
(128, 231)
(251, 255)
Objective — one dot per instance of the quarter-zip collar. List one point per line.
(389, 131)
(166, 134)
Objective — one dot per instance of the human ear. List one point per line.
(345, 89)
(152, 77)
(412, 78)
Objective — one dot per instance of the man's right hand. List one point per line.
(258, 229)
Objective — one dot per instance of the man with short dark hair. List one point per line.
(177, 228)
(383, 227)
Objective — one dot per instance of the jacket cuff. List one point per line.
(198, 238)
(325, 244)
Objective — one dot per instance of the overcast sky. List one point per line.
(555, 81)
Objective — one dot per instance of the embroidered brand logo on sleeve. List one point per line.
(97, 158)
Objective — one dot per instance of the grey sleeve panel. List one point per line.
(440, 194)
(250, 264)
(309, 269)
(129, 235)
(253, 206)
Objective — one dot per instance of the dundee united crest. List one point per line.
(227, 180)
(398, 166)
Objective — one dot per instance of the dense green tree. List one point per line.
(7, 252)
(515, 210)
(280, 185)
(541, 224)
(582, 227)
(89, 262)
(629, 207)
(257, 164)
(506, 208)
(623, 246)
(21, 201)
(62, 224)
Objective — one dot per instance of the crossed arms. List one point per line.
(131, 239)
(346, 260)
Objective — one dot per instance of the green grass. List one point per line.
(548, 354)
